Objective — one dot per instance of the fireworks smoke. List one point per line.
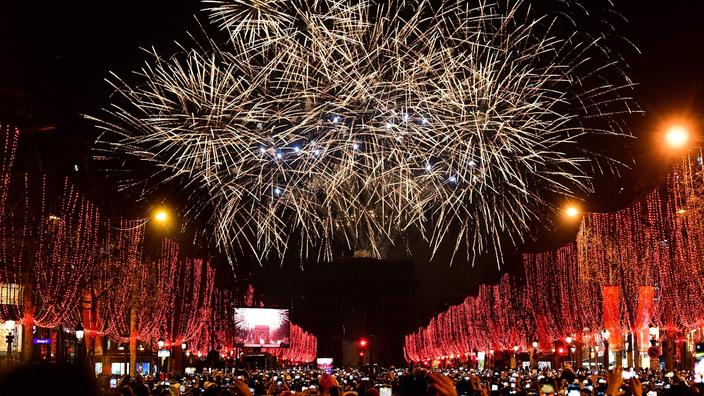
(366, 121)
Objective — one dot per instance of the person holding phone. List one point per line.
(615, 380)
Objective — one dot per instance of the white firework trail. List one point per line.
(249, 318)
(367, 122)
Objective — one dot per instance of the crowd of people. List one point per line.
(416, 382)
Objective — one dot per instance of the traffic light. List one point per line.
(363, 343)
(361, 354)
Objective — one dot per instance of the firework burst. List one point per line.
(366, 121)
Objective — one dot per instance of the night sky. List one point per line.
(58, 54)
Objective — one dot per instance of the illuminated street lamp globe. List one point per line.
(9, 325)
(161, 216)
(79, 331)
(677, 136)
(572, 211)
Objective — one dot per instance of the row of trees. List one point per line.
(62, 262)
(627, 271)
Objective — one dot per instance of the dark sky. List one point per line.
(59, 52)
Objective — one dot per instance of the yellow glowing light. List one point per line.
(572, 211)
(677, 136)
(681, 211)
(161, 216)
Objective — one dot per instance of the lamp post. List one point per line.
(573, 349)
(533, 352)
(80, 332)
(653, 332)
(160, 345)
(10, 338)
(605, 335)
(184, 355)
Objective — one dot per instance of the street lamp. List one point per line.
(605, 335)
(572, 211)
(654, 333)
(160, 344)
(677, 136)
(184, 346)
(10, 327)
(532, 352)
(568, 340)
(79, 332)
(161, 216)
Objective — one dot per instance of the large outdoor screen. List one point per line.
(262, 327)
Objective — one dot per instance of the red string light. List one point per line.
(657, 242)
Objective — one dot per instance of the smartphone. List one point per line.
(513, 384)
(385, 391)
(573, 392)
(113, 383)
(494, 387)
(652, 393)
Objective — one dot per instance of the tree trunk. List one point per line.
(27, 320)
(133, 340)
(87, 317)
